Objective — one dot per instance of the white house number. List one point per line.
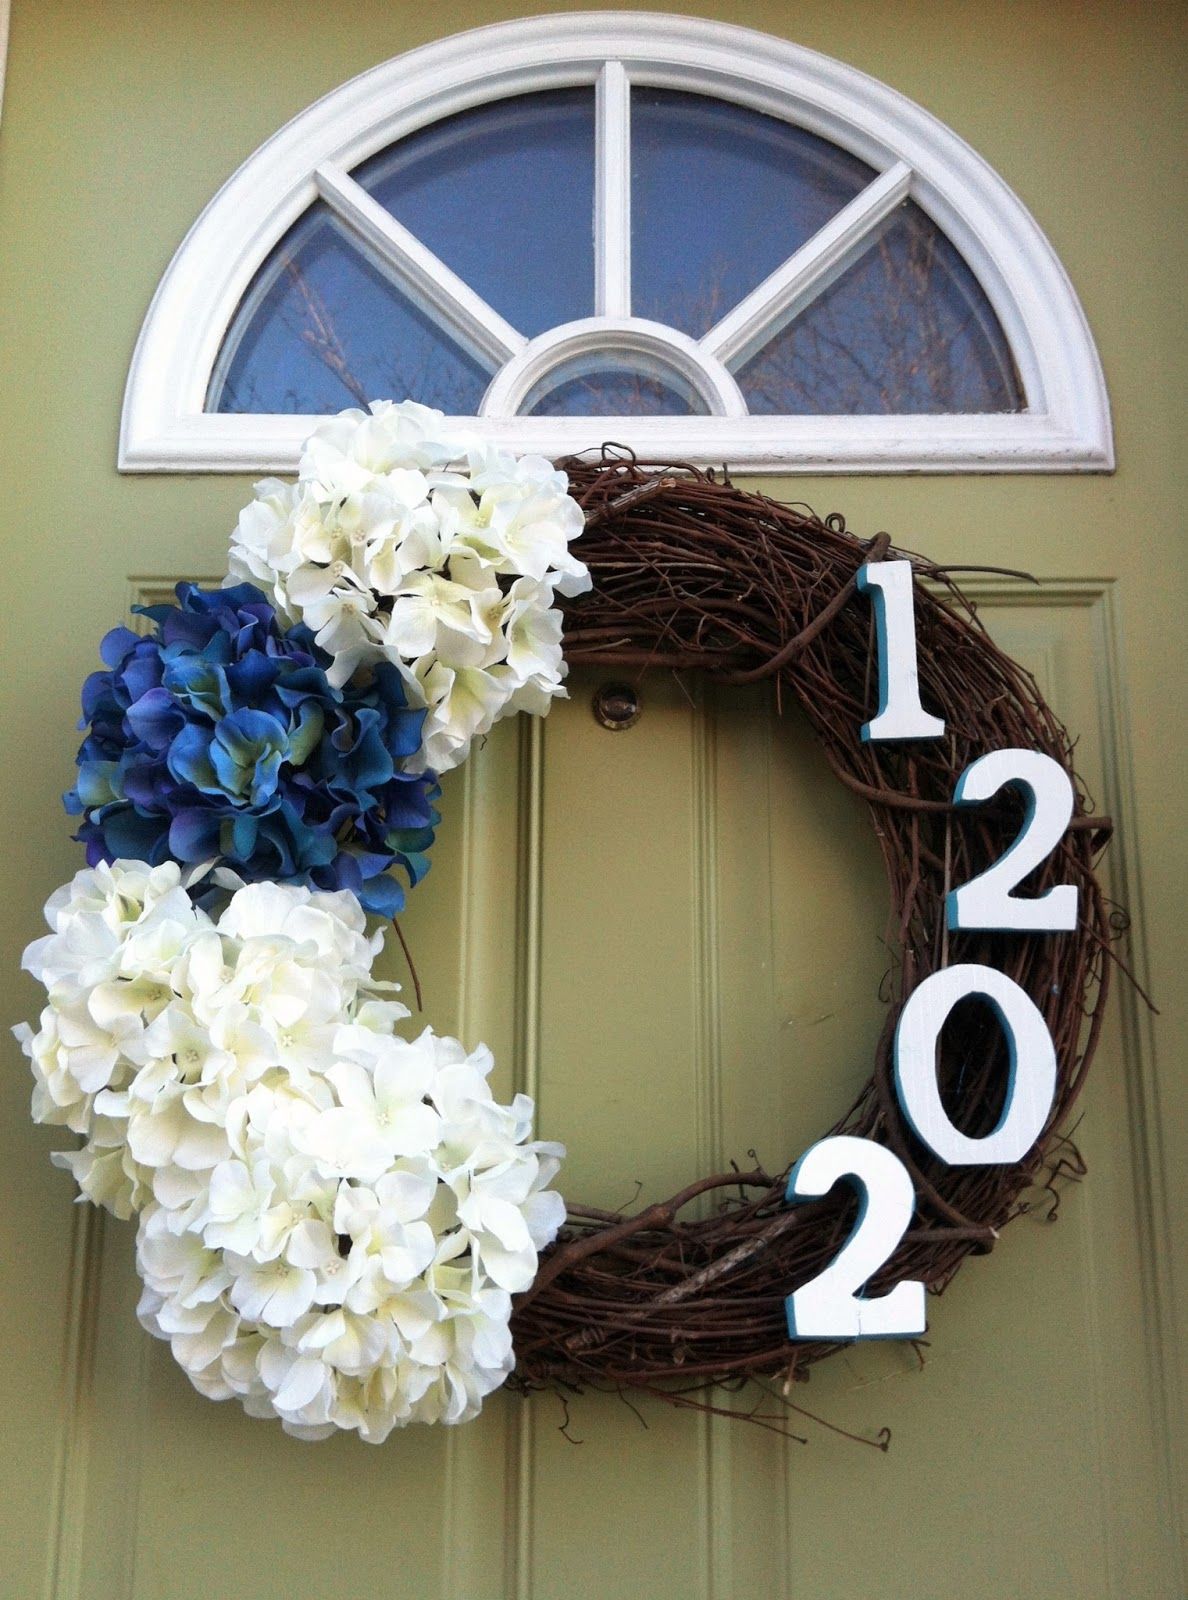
(831, 1305)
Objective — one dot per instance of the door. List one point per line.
(669, 935)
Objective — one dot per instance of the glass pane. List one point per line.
(907, 328)
(600, 386)
(720, 197)
(323, 327)
(504, 194)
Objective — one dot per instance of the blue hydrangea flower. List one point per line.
(218, 738)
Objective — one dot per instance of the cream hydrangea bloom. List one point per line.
(351, 1261)
(399, 542)
(333, 1218)
(159, 1017)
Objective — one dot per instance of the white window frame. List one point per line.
(1066, 426)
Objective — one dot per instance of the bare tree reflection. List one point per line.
(423, 368)
(906, 329)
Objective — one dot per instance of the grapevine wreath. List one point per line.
(338, 1224)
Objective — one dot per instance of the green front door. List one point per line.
(669, 935)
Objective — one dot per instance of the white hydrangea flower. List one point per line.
(160, 1019)
(400, 542)
(333, 1218)
(464, 704)
(348, 451)
(269, 538)
(352, 1260)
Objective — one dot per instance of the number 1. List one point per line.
(900, 714)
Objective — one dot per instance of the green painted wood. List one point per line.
(670, 935)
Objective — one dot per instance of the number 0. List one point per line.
(829, 1305)
(1031, 1088)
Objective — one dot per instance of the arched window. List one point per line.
(673, 232)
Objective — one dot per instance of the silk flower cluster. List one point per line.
(400, 543)
(218, 740)
(332, 1217)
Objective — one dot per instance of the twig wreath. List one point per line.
(339, 1225)
(692, 574)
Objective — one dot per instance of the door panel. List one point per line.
(672, 936)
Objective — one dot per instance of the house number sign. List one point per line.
(831, 1305)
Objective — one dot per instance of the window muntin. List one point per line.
(720, 198)
(500, 193)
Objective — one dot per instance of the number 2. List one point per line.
(829, 1306)
(986, 902)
